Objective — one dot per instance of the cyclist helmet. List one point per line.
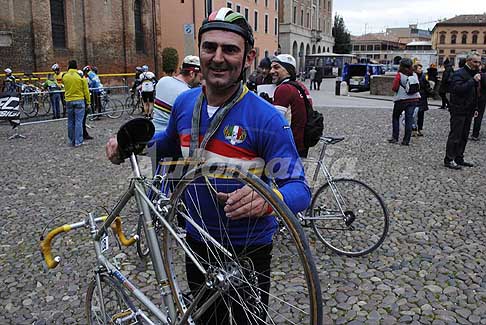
(80, 73)
(139, 69)
(86, 68)
(55, 67)
(191, 62)
(288, 62)
(145, 68)
(228, 20)
(95, 69)
(8, 70)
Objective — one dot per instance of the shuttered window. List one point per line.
(58, 24)
(139, 35)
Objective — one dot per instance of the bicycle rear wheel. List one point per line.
(113, 300)
(114, 108)
(44, 104)
(27, 105)
(246, 281)
(363, 226)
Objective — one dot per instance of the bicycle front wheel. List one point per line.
(236, 272)
(114, 108)
(362, 224)
(112, 299)
(130, 105)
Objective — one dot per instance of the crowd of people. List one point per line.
(463, 93)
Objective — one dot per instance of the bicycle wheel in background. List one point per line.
(365, 223)
(238, 277)
(27, 105)
(130, 105)
(44, 104)
(114, 108)
(113, 300)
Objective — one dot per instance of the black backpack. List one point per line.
(315, 120)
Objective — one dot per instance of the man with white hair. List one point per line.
(463, 106)
(288, 96)
(169, 87)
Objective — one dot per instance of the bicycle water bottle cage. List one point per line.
(133, 136)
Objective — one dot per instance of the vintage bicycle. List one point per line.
(347, 215)
(233, 284)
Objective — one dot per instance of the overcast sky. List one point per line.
(376, 15)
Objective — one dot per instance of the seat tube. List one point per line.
(319, 162)
(155, 254)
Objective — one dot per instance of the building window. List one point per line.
(247, 17)
(294, 15)
(453, 38)
(266, 24)
(369, 48)
(377, 47)
(356, 48)
(442, 39)
(301, 17)
(255, 22)
(441, 51)
(229, 4)
(464, 38)
(266, 3)
(475, 39)
(307, 18)
(453, 51)
(363, 47)
(139, 35)
(238, 8)
(58, 24)
(275, 27)
(209, 6)
(276, 5)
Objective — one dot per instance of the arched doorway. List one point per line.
(319, 49)
(295, 52)
(314, 49)
(300, 65)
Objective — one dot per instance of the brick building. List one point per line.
(305, 28)
(180, 21)
(454, 38)
(114, 35)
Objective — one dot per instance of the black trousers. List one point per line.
(420, 119)
(457, 140)
(445, 101)
(260, 257)
(478, 119)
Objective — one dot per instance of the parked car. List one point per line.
(358, 76)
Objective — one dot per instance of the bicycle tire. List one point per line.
(142, 248)
(44, 105)
(343, 238)
(122, 306)
(27, 106)
(299, 302)
(114, 108)
(130, 105)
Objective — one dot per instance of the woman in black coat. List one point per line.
(423, 105)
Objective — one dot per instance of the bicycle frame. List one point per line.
(137, 189)
(321, 167)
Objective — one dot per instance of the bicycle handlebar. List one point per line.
(46, 247)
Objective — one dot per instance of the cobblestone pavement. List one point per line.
(430, 269)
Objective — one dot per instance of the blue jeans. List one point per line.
(56, 104)
(398, 109)
(75, 113)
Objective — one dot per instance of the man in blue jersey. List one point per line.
(251, 134)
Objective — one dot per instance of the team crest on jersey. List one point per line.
(235, 134)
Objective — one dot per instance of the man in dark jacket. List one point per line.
(444, 88)
(478, 118)
(464, 103)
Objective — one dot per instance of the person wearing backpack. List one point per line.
(407, 95)
(293, 97)
(147, 84)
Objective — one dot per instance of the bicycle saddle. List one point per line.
(332, 140)
(133, 136)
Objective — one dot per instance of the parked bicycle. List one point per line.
(33, 101)
(287, 292)
(347, 215)
(111, 107)
(134, 103)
